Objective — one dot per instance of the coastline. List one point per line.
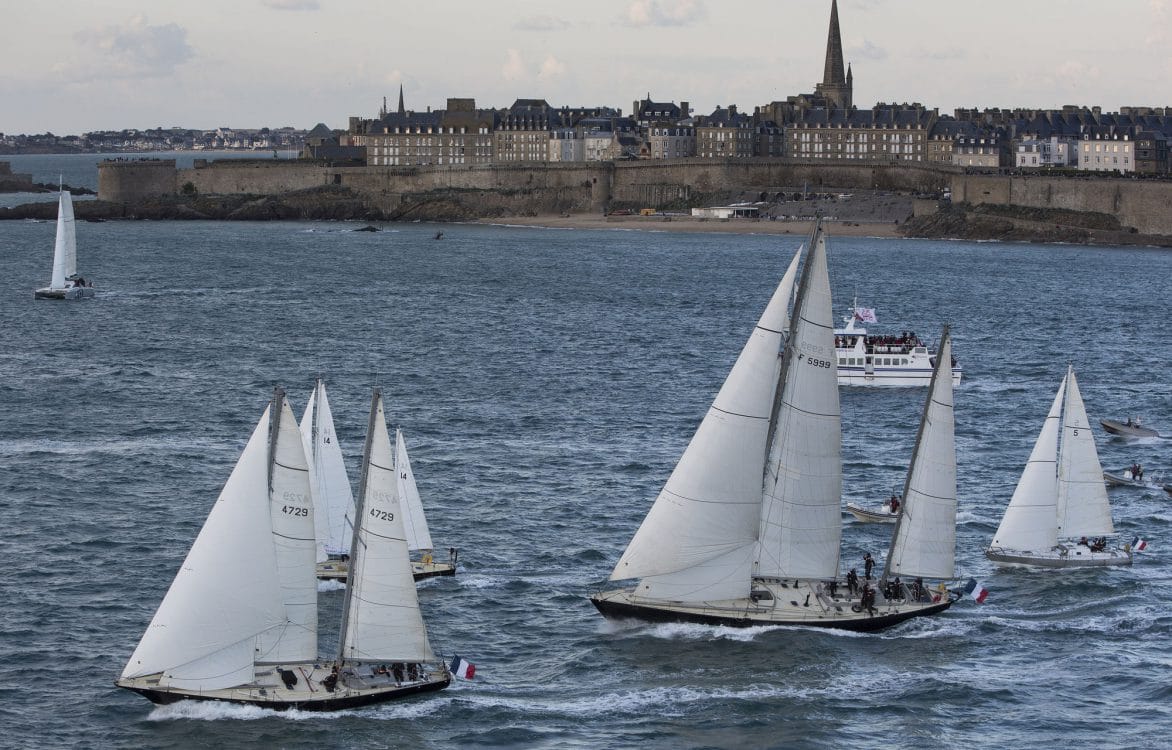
(798, 227)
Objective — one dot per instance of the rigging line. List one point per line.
(290, 468)
(737, 413)
(383, 536)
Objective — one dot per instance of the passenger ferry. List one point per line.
(882, 360)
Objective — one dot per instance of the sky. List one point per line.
(118, 64)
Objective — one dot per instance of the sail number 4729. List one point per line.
(382, 515)
(293, 510)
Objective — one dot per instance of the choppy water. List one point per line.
(547, 381)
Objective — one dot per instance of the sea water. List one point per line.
(547, 381)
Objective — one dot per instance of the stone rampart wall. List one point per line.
(134, 180)
(1141, 204)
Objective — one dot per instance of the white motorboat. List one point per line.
(65, 283)
(1060, 497)
(1130, 477)
(883, 360)
(747, 530)
(253, 638)
(881, 514)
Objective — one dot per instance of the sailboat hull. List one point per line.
(334, 570)
(803, 608)
(1062, 556)
(73, 292)
(272, 695)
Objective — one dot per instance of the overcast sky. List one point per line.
(72, 66)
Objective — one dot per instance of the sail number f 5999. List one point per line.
(816, 361)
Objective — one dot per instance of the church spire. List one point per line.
(833, 74)
(402, 109)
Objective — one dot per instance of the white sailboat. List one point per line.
(252, 639)
(418, 535)
(65, 283)
(747, 530)
(1060, 503)
(333, 500)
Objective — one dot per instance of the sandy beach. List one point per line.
(690, 224)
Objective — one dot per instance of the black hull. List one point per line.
(163, 698)
(623, 611)
(434, 574)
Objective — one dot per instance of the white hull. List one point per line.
(339, 570)
(1062, 556)
(1124, 479)
(72, 292)
(357, 685)
(774, 603)
(882, 514)
(1127, 430)
(892, 377)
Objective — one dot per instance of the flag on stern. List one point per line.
(461, 667)
(974, 589)
(1139, 545)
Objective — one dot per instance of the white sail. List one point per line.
(1083, 507)
(1030, 521)
(382, 621)
(225, 594)
(418, 536)
(705, 519)
(65, 248)
(924, 541)
(291, 511)
(333, 500)
(800, 518)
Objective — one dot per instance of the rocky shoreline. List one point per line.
(879, 214)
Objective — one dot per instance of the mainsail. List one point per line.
(924, 541)
(333, 500)
(800, 519)
(65, 248)
(381, 621)
(418, 536)
(698, 539)
(1083, 507)
(204, 633)
(1030, 521)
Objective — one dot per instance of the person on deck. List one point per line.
(852, 582)
(868, 564)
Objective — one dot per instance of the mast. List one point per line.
(356, 539)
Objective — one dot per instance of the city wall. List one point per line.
(1142, 204)
(580, 186)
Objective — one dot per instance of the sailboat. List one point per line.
(1060, 497)
(747, 530)
(334, 502)
(65, 283)
(418, 535)
(252, 639)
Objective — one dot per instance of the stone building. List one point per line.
(886, 132)
(458, 135)
(725, 134)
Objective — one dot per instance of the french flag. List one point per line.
(463, 668)
(974, 589)
(1139, 545)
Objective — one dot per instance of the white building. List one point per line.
(566, 144)
(1106, 153)
(1053, 152)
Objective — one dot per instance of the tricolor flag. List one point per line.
(974, 589)
(463, 668)
(1139, 545)
(865, 315)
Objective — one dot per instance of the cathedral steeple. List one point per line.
(402, 109)
(837, 82)
(834, 72)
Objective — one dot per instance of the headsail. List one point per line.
(381, 621)
(1083, 507)
(418, 536)
(924, 541)
(333, 500)
(204, 633)
(1030, 521)
(291, 511)
(697, 541)
(800, 518)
